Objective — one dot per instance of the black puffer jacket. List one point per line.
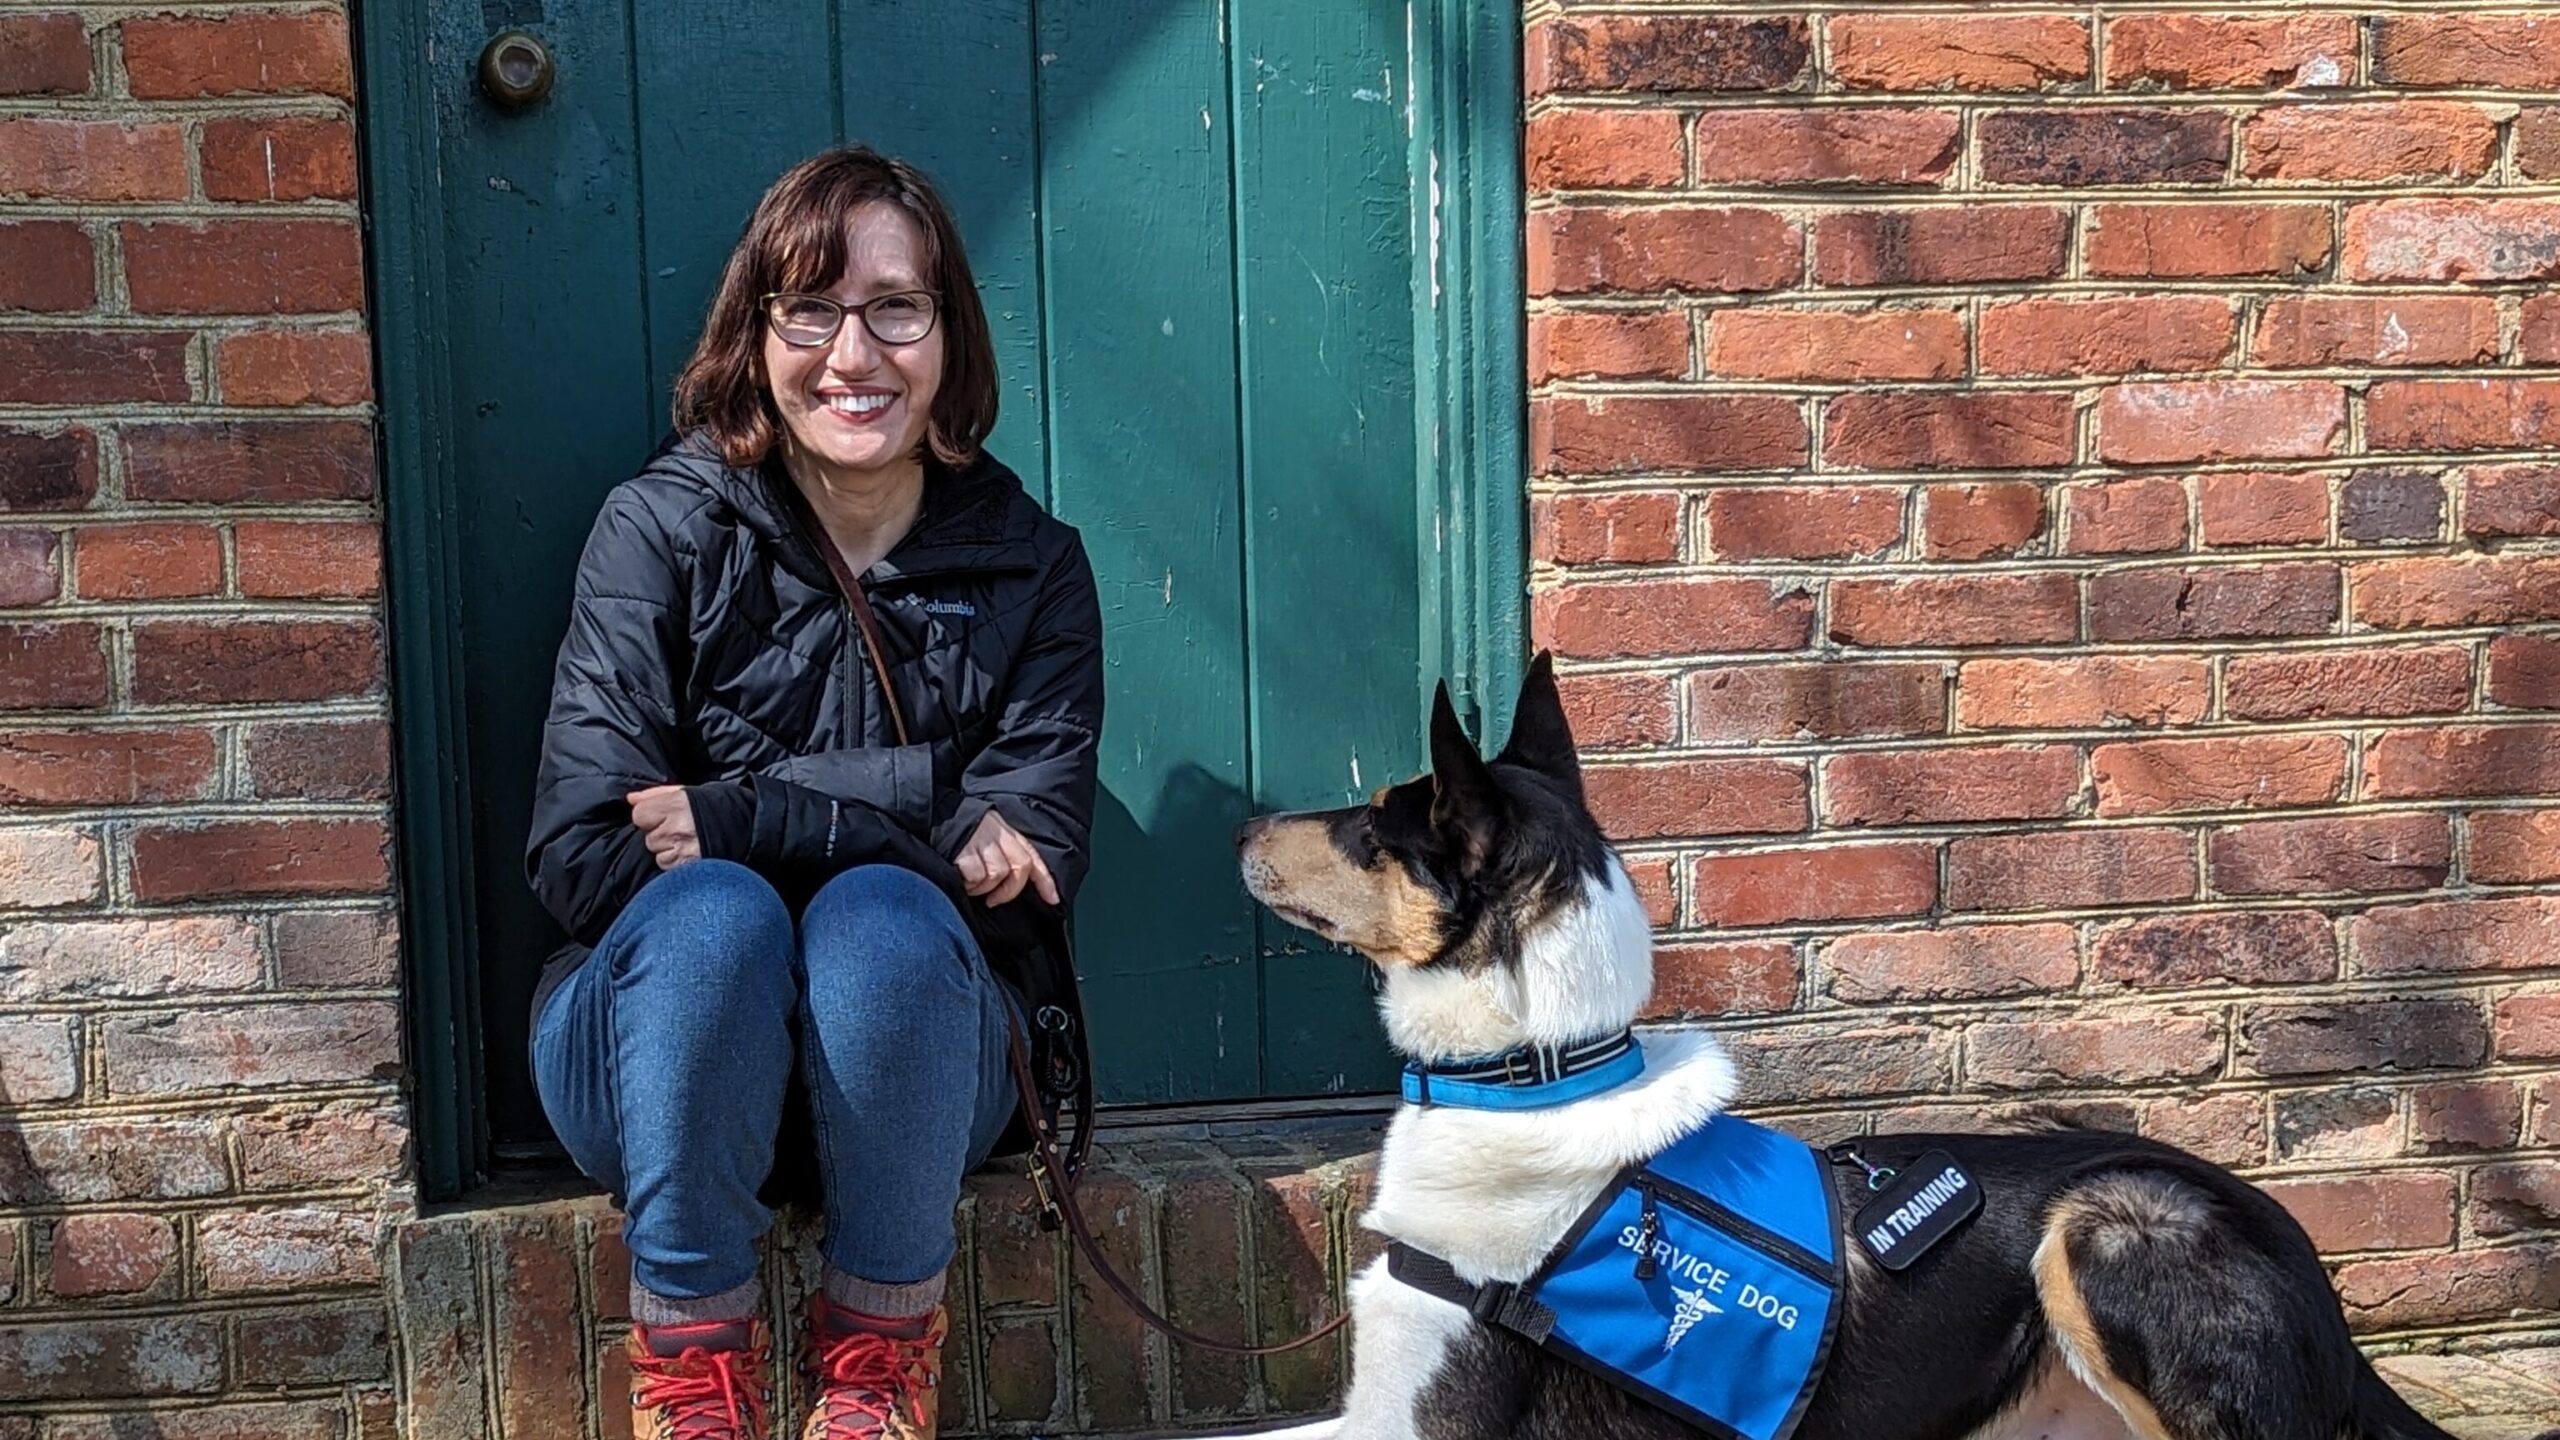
(708, 644)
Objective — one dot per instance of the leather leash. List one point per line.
(1054, 1187)
(1053, 1180)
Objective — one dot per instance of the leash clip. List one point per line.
(1878, 1176)
(1051, 1217)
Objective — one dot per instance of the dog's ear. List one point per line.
(1463, 796)
(1541, 737)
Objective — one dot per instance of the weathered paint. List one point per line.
(1194, 231)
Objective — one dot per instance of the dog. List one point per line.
(2109, 1285)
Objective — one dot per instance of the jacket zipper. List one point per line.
(815, 536)
(1767, 1242)
(852, 674)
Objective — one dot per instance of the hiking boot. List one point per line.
(873, 1385)
(701, 1382)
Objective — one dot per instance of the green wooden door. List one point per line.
(1193, 226)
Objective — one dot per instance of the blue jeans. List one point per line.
(662, 1061)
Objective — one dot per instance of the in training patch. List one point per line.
(1922, 1206)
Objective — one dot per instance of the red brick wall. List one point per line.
(2192, 714)
(199, 1036)
(2047, 513)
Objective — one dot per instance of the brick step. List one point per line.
(2505, 1394)
(517, 1311)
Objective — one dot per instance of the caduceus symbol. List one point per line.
(1694, 1306)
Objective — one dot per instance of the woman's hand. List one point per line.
(997, 863)
(664, 815)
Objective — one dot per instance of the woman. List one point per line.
(821, 749)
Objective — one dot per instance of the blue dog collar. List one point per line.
(1532, 1077)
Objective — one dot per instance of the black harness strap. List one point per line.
(1495, 1302)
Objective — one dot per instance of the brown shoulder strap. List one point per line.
(854, 599)
(1053, 1176)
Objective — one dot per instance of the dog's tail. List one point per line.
(2380, 1414)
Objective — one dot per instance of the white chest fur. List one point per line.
(1492, 1192)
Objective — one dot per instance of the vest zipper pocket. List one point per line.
(1648, 1230)
(1759, 1237)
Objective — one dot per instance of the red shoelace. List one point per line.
(863, 1378)
(708, 1394)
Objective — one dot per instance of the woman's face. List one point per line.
(855, 405)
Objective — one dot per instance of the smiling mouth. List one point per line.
(857, 407)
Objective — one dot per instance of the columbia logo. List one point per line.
(961, 608)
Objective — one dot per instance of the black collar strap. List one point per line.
(1530, 1077)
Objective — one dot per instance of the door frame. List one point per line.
(1470, 398)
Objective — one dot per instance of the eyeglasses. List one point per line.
(902, 318)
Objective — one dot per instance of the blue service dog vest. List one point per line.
(1703, 1280)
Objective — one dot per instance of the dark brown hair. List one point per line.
(798, 240)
